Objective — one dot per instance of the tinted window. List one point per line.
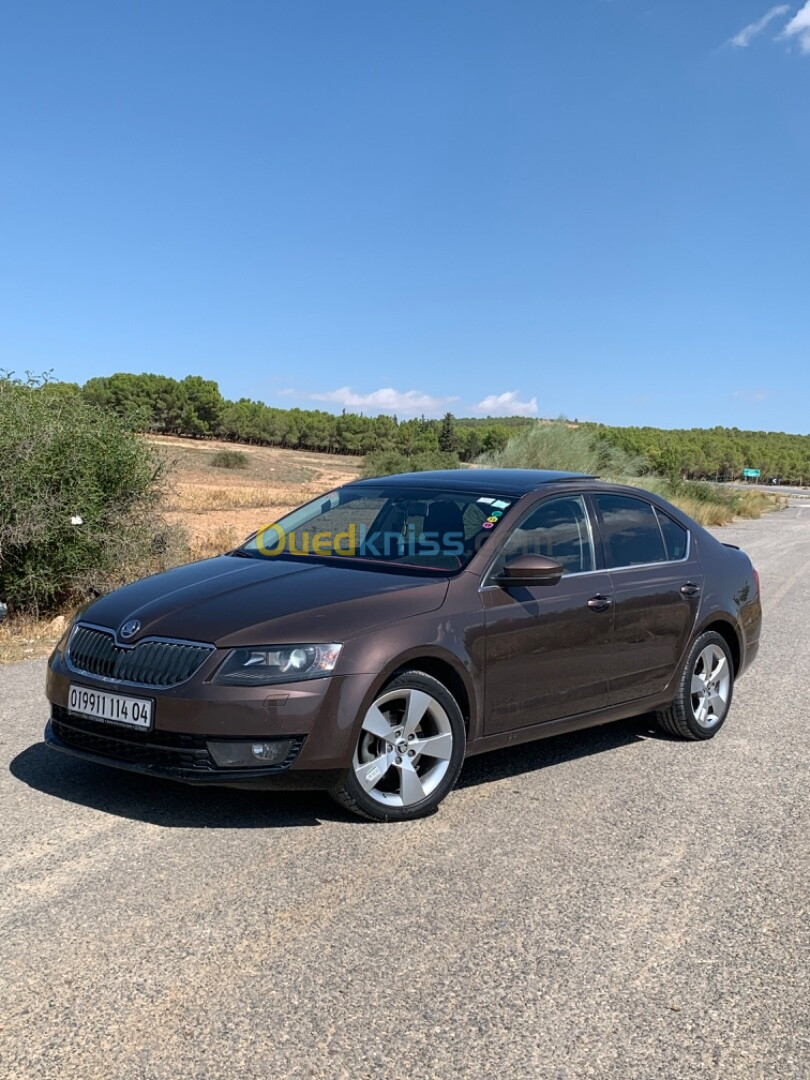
(558, 529)
(629, 530)
(675, 537)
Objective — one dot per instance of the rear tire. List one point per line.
(409, 751)
(705, 690)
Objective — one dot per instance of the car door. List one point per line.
(656, 583)
(546, 645)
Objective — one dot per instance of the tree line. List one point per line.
(194, 406)
(716, 453)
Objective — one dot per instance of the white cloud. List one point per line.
(385, 400)
(507, 404)
(799, 27)
(751, 395)
(754, 29)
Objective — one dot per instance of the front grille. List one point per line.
(164, 748)
(150, 663)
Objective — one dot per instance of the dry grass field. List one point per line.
(219, 507)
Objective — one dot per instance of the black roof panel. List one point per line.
(491, 481)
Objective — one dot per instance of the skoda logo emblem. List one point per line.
(129, 629)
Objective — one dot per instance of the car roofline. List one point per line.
(513, 482)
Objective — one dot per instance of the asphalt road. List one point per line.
(607, 904)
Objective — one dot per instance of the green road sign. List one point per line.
(752, 472)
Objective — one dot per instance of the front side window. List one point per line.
(630, 531)
(559, 529)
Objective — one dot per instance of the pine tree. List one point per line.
(447, 434)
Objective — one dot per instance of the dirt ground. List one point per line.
(220, 507)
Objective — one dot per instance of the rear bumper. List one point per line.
(751, 650)
(186, 764)
(750, 626)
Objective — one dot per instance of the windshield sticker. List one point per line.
(493, 518)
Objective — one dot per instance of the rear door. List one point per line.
(656, 584)
(547, 650)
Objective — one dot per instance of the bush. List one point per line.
(714, 504)
(80, 500)
(230, 459)
(389, 462)
(560, 445)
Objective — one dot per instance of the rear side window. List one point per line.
(676, 537)
(629, 530)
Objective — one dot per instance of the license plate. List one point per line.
(110, 708)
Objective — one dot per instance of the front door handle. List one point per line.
(599, 602)
(690, 589)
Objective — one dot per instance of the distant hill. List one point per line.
(195, 407)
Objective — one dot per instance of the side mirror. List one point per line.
(529, 570)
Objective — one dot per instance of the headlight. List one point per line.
(266, 664)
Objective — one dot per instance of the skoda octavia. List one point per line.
(369, 641)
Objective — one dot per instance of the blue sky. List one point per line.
(597, 208)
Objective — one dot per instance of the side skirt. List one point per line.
(545, 730)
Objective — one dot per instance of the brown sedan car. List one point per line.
(376, 636)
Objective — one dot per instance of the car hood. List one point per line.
(233, 601)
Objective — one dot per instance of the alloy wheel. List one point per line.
(711, 686)
(404, 749)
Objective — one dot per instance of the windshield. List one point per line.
(417, 527)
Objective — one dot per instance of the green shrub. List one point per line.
(80, 500)
(388, 462)
(230, 459)
(560, 445)
(714, 504)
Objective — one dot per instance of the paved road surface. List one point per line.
(770, 489)
(608, 904)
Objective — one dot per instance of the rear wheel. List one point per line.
(704, 691)
(409, 751)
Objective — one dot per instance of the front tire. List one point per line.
(409, 751)
(705, 690)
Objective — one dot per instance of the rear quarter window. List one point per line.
(676, 538)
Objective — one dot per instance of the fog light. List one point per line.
(235, 755)
(271, 752)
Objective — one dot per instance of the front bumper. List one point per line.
(186, 763)
(320, 716)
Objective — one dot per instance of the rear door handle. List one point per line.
(690, 589)
(599, 602)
